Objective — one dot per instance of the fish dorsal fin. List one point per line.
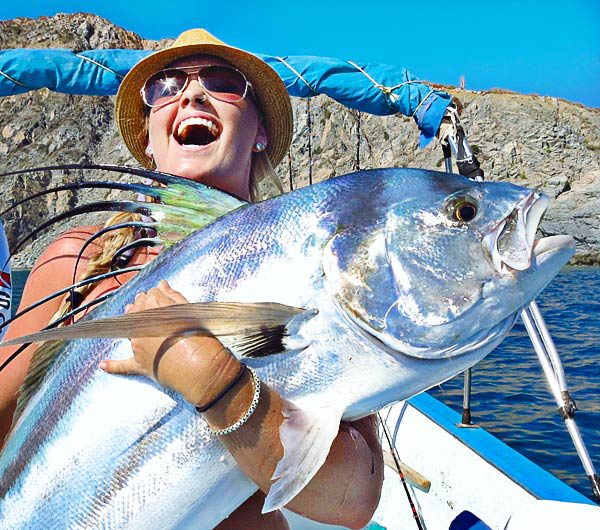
(306, 437)
(41, 361)
(183, 206)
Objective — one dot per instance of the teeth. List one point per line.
(181, 129)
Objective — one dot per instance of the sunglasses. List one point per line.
(221, 82)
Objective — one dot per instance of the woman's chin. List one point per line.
(232, 181)
(189, 169)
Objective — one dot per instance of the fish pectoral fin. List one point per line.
(256, 329)
(306, 438)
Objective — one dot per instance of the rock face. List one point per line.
(548, 144)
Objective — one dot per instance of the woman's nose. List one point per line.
(194, 94)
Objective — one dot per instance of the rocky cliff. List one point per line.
(541, 142)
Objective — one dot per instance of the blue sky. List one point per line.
(549, 48)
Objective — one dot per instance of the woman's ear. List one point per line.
(260, 140)
(149, 152)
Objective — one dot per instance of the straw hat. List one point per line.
(268, 90)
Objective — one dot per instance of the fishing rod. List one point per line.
(454, 142)
(393, 452)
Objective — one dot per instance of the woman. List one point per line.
(218, 115)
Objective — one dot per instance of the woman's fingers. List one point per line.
(125, 366)
(159, 296)
(176, 296)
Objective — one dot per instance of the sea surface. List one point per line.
(510, 397)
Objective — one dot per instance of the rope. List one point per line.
(119, 76)
(13, 80)
(388, 91)
(82, 57)
(431, 91)
(385, 89)
(298, 74)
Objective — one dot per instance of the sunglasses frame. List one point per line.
(190, 71)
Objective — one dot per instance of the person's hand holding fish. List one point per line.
(210, 377)
(198, 368)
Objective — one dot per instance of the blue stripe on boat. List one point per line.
(520, 469)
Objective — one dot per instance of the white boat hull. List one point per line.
(469, 470)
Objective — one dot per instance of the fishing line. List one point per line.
(54, 324)
(142, 242)
(129, 224)
(157, 176)
(150, 191)
(399, 469)
(163, 178)
(82, 308)
(126, 206)
(309, 125)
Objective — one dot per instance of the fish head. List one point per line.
(444, 271)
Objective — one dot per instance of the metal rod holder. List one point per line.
(553, 370)
(466, 413)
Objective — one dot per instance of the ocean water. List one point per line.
(510, 397)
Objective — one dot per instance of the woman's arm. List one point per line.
(53, 271)
(345, 490)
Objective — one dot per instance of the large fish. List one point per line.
(407, 277)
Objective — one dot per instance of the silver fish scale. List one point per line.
(94, 450)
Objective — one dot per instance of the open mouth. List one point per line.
(196, 131)
(512, 243)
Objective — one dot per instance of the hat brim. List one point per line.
(268, 90)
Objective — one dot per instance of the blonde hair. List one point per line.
(262, 170)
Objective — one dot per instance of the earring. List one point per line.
(149, 151)
(260, 146)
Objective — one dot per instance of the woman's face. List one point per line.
(204, 139)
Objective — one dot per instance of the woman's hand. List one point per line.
(198, 368)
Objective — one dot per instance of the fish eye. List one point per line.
(464, 210)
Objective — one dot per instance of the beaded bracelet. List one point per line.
(249, 412)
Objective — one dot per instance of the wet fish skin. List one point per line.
(406, 298)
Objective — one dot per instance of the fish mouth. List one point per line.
(511, 245)
(196, 131)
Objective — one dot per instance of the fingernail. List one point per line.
(103, 365)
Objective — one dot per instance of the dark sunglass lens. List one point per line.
(224, 81)
(163, 85)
